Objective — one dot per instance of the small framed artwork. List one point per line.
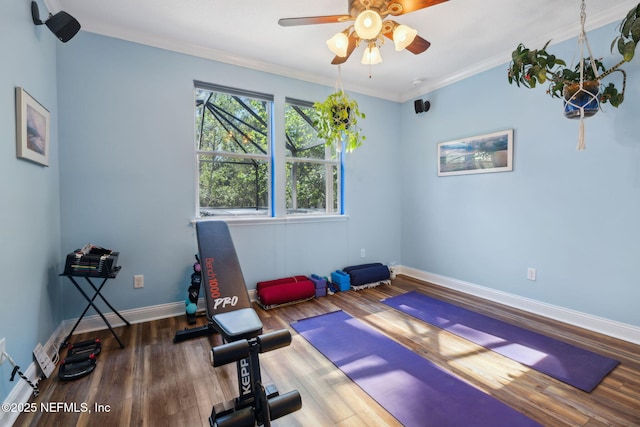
(492, 152)
(32, 129)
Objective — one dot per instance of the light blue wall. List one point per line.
(29, 195)
(571, 215)
(128, 173)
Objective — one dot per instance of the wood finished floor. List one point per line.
(153, 382)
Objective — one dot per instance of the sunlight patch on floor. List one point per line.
(478, 363)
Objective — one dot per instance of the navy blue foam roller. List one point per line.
(362, 276)
(361, 266)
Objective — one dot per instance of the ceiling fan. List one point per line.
(370, 26)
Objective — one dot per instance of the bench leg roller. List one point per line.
(284, 404)
(274, 340)
(231, 352)
(241, 418)
(238, 350)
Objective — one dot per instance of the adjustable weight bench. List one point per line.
(230, 314)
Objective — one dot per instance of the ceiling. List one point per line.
(467, 36)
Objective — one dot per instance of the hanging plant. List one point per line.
(532, 67)
(629, 35)
(566, 79)
(337, 120)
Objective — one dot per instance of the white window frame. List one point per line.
(330, 162)
(268, 157)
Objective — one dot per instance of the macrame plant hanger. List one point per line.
(583, 97)
(338, 84)
(338, 87)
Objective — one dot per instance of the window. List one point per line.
(233, 141)
(313, 169)
(236, 159)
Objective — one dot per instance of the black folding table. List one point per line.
(112, 275)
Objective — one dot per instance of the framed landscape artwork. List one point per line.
(492, 152)
(32, 129)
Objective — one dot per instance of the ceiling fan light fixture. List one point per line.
(403, 36)
(371, 55)
(338, 44)
(368, 24)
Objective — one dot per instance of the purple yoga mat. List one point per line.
(573, 365)
(415, 391)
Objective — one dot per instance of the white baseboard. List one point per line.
(136, 315)
(601, 325)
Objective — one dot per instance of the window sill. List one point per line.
(293, 219)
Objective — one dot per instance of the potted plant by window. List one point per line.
(580, 86)
(337, 120)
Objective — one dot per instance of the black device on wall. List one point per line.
(63, 25)
(421, 106)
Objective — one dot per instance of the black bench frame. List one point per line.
(230, 313)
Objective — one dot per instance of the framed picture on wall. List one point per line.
(491, 152)
(32, 129)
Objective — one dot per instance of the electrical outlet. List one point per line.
(362, 253)
(531, 273)
(138, 281)
(3, 349)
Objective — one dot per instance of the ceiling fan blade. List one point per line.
(418, 45)
(311, 20)
(407, 6)
(353, 42)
